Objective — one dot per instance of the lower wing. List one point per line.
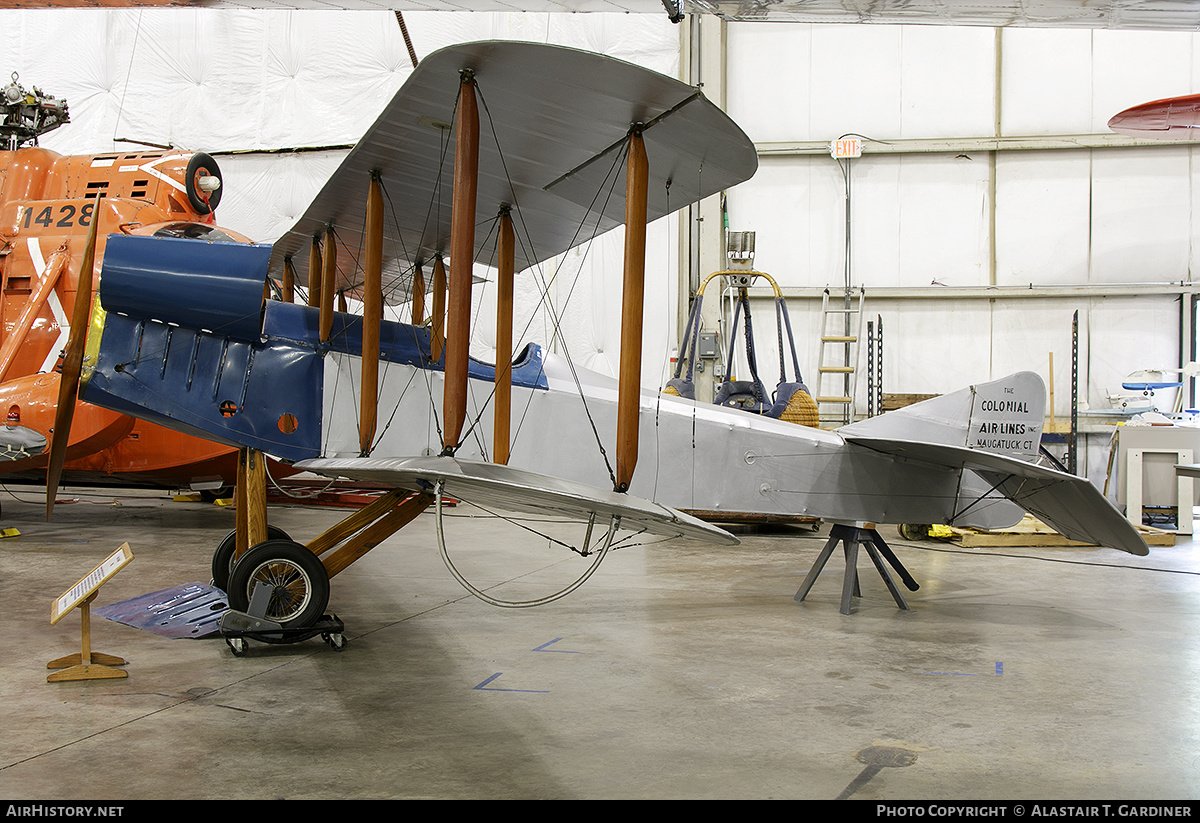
(492, 484)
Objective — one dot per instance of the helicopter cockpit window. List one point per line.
(194, 231)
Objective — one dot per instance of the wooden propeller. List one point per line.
(72, 367)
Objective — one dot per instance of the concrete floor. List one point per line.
(677, 671)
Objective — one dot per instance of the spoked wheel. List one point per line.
(222, 562)
(297, 579)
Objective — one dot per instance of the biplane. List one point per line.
(49, 204)
(504, 155)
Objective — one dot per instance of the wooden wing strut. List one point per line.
(372, 317)
(437, 326)
(504, 340)
(462, 259)
(630, 377)
(328, 283)
(314, 272)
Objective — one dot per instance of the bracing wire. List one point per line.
(545, 286)
(605, 546)
(128, 73)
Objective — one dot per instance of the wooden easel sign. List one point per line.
(88, 665)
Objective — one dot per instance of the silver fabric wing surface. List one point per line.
(494, 485)
(552, 121)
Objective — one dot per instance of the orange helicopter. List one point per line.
(55, 213)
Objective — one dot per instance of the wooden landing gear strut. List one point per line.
(278, 588)
(851, 537)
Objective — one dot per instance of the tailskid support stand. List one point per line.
(236, 627)
(851, 537)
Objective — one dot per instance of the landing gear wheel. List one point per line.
(913, 531)
(298, 580)
(202, 165)
(222, 562)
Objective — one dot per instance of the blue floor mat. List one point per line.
(190, 610)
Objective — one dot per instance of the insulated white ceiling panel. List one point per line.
(1104, 14)
(266, 193)
(1138, 14)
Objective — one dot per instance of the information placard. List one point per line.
(96, 578)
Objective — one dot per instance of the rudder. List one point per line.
(1004, 416)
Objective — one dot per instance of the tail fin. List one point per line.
(1002, 417)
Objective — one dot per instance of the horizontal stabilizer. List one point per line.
(492, 484)
(1071, 505)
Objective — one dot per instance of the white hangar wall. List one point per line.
(1116, 225)
(245, 84)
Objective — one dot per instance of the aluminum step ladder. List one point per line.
(837, 372)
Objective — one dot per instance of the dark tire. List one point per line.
(300, 584)
(222, 562)
(914, 531)
(200, 165)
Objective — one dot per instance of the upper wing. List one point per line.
(492, 484)
(1071, 505)
(553, 124)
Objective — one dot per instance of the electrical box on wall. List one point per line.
(706, 348)
(846, 147)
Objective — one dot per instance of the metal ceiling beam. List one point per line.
(995, 292)
(965, 145)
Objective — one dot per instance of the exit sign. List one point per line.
(846, 147)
